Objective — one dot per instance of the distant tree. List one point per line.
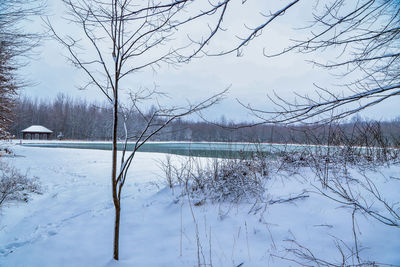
(7, 91)
(15, 43)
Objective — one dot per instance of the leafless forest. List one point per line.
(70, 117)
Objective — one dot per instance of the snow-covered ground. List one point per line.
(71, 223)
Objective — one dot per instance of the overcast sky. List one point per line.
(250, 77)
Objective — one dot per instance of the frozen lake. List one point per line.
(198, 149)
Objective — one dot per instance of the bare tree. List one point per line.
(365, 36)
(15, 44)
(123, 37)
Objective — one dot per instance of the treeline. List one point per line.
(80, 120)
(75, 119)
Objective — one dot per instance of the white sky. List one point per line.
(250, 77)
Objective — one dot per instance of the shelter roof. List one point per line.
(37, 129)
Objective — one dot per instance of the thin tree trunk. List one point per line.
(114, 174)
(116, 232)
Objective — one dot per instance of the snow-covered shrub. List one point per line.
(175, 171)
(15, 186)
(231, 180)
(5, 148)
(292, 161)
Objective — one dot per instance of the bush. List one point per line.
(15, 186)
(219, 180)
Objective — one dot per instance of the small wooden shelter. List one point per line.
(36, 130)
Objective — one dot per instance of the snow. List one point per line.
(71, 223)
(36, 129)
